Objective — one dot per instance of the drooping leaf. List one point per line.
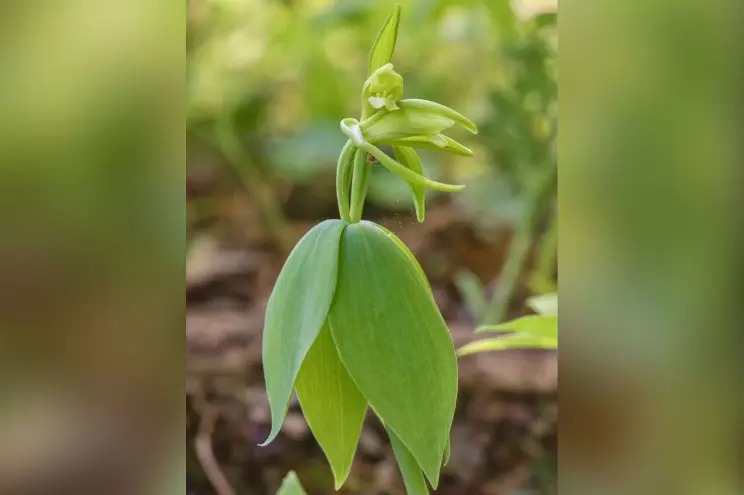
(296, 311)
(332, 404)
(544, 326)
(384, 45)
(544, 304)
(291, 485)
(394, 343)
(413, 478)
(511, 341)
(409, 158)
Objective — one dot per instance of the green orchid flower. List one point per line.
(406, 125)
(351, 324)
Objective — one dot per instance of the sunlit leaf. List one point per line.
(332, 404)
(409, 158)
(511, 341)
(537, 325)
(296, 311)
(291, 485)
(413, 478)
(384, 45)
(394, 343)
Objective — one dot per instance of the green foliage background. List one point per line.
(280, 76)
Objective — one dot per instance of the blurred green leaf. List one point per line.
(332, 404)
(308, 153)
(384, 45)
(472, 291)
(537, 325)
(544, 304)
(291, 485)
(511, 341)
(416, 395)
(296, 312)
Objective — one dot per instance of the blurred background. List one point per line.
(268, 82)
(93, 228)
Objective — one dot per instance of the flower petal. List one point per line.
(406, 173)
(409, 158)
(438, 109)
(435, 142)
(384, 45)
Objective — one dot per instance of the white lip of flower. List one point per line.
(383, 89)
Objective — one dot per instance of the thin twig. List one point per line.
(205, 454)
(519, 249)
(253, 180)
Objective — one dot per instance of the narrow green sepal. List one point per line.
(406, 173)
(439, 109)
(409, 158)
(435, 142)
(384, 45)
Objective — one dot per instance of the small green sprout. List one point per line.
(291, 485)
(538, 331)
(351, 323)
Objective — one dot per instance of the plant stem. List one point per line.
(519, 249)
(268, 207)
(343, 180)
(359, 185)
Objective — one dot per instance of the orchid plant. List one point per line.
(351, 323)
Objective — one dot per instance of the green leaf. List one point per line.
(409, 158)
(407, 252)
(332, 404)
(296, 311)
(537, 325)
(511, 341)
(447, 452)
(413, 478)
(544, 304)
(291, 485)
(394, 343)
(384, 45)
